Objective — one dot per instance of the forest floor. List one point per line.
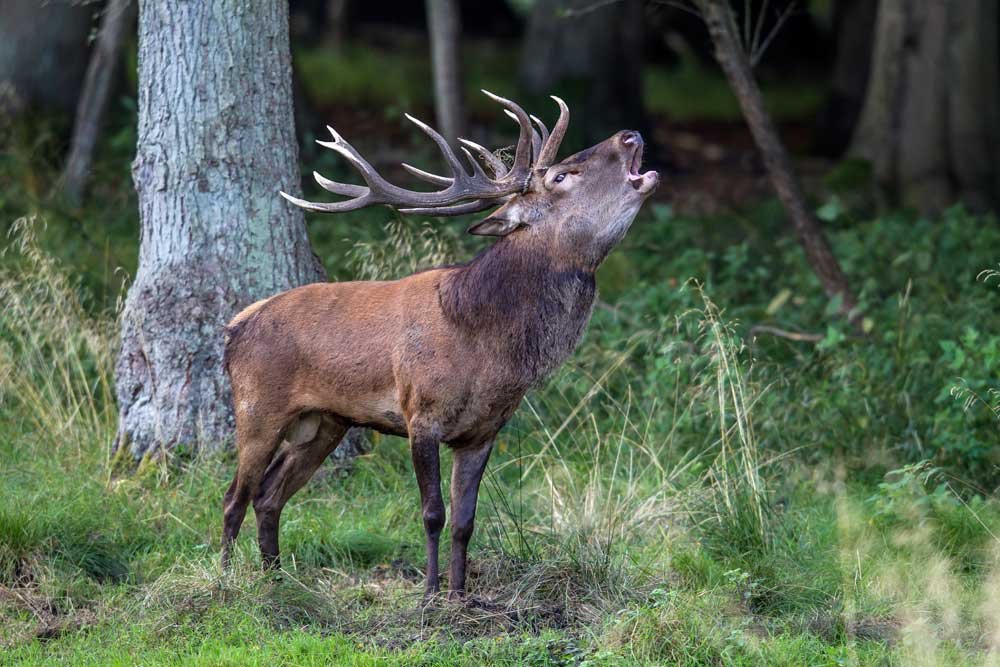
(689, 489)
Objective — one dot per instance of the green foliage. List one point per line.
(99, 240)
(393, 81)
(407, 249)
(919, 495)
(693, 92)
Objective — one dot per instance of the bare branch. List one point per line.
(759, 28)
(573, 13)
(758, 53)
(682, 6)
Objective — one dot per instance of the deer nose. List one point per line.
(631, 137)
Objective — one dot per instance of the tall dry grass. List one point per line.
(56, 357)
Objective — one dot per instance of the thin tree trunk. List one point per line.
(443, 23)
(336, 11)
(216, 143)
(102, 70)
(736, 65)
(854, 26)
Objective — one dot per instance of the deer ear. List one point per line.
(504, 220)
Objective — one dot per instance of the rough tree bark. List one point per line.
(732, 57)
(215, 144)
(102, 70)
(594, 49)
(443, 23)
(931, 120)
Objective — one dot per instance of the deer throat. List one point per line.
(520, 308)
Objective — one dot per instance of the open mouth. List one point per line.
(633, 168)
(644, 183)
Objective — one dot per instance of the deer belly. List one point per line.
(380, 411)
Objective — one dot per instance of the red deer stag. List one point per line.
(444, 355)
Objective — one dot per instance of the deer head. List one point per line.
(578, 209)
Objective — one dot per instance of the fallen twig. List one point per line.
(784, 333)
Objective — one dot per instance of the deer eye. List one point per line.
(560, 178)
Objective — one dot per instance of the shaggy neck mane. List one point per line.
(536, 310)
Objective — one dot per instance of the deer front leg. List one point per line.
(466, 473)
(426, 464)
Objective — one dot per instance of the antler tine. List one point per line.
(449, 155)
(477, 170)
(426, 175)
(539, 138)
(495, 163)
(458, 209)
(551, 147)
(338, 144)
(536, 139)
(541, 127)
(522, 155)
(320, 207)
(360, 196)
(346, 189)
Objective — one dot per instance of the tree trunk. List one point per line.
(43, 55)
(443, 23)
(854, 29)
(336, 12)
(591, 53)
(216, 143)
(931, 124)
(736, 65)
(97, 87)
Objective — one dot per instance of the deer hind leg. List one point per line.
(256, 441)
(308, 443)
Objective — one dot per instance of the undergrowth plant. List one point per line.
(984, 393)
(740, 508)
(56, 358)
(407, 248)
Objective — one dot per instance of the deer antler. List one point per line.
(461, 192)
(551, 142)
